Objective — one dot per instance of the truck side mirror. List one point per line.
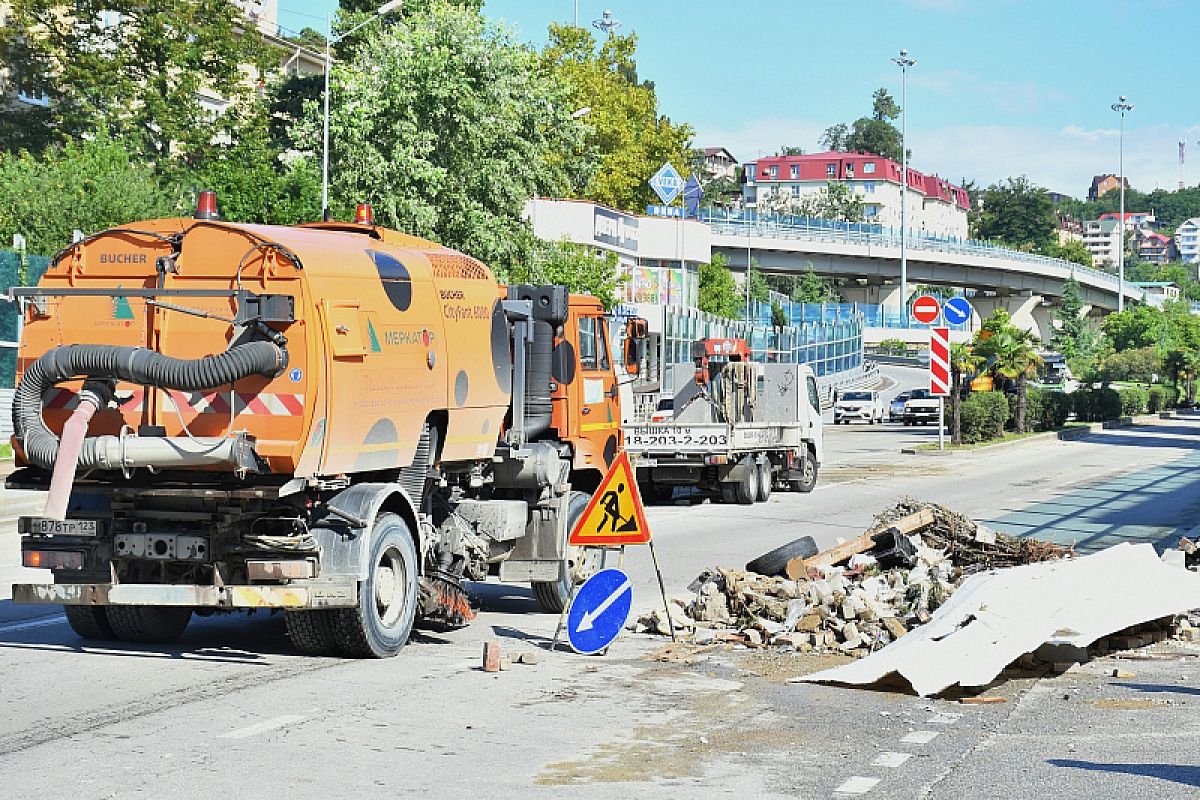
(636, 331)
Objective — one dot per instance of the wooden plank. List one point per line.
(912, 523)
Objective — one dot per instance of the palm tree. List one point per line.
(963, 362)
(1015, 357)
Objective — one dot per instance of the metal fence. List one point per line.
(749, 223)
(16, 269)
(832, 345)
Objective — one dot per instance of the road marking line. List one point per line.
(920, 737)
(264, 726)
(890, 759)
(857, 785)
(37, 623)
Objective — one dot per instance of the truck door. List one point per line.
(599, 381)
(814, 416)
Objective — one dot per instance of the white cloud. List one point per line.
(1062, 160)
(1092, 135)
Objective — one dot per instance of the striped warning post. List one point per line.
(939, 362)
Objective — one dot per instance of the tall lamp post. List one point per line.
(904, 62)
(1121, 107)
(331, 40)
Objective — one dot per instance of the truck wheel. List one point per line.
(552, 596)
(90, 622)
(387, 599)
(776, 561)
(657, 492)
(746, 490)
(148, 624)
(809, 480)
(311, 632)
(765, 479)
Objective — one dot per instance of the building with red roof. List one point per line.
(935, 207)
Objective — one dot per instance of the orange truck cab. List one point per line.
(337, 420)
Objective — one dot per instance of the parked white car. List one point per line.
(861, 405)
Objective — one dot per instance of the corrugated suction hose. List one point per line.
(131, 364)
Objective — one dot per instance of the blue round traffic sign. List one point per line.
(599, 610)
(956, 310)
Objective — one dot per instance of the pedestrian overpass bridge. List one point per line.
(1026, 284)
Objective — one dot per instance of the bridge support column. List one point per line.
(1026, 311)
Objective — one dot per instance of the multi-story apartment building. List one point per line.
(1103, 184)
(1102, 238)
(934, 207)
(718, 163)
(1153, 248)
(1134, 219)
(1187, 241)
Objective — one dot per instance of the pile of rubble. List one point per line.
(855, 597)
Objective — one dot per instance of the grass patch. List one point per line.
(6, 453)
(1007, 437)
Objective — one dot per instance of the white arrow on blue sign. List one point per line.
(599, 610)
(956, 310)
(667, 183)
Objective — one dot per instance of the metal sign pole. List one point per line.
(941, 423)
(663, 589)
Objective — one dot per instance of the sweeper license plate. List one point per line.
(40, 526)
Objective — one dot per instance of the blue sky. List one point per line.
(1001, 87)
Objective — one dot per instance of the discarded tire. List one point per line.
(776, 561)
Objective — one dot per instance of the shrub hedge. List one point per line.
(1096, 405)
(1133, 400)
(983, 416)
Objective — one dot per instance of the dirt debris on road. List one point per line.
(854, 598)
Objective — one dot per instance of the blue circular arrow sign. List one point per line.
(600, 609)
(956, 310)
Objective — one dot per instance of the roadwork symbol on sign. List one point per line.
(925, 309)
(599, 610)
(957, 310)
(615, 516)
(939, 362)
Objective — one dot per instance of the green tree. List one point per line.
(718, 292)
(627, 137)
(1140, 326)
(813, 288)
(873, 134)
(1071, 250)
(447, 126)
(1070, 324)
(760, 290)
(254, 182)
(779, 317)
(574, 266)
(85, 185)
(1138, 364)
(1012, 354)
(1018, 214)
(134, 69)
(963, 363)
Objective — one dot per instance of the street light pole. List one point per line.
(331, 40)
(904, 62)
(1121, 107)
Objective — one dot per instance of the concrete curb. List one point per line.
(1066, 435)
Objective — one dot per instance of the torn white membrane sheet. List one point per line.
(997, 616)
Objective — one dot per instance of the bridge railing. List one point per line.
(820, 230)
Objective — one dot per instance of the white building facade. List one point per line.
(661, 256)
(933, 207)
(1102, 238)
(1187, 241)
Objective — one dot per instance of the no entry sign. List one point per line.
(925, 309)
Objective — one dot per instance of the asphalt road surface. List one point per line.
(229, 711)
